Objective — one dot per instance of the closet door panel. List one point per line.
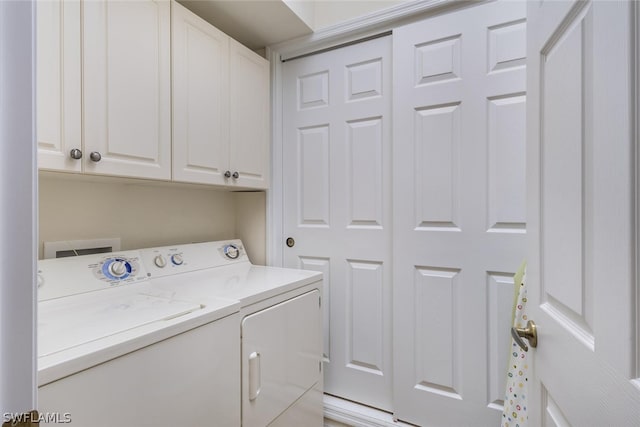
(458, 207)
(337, 207)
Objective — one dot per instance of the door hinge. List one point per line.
(320, 366)
(319, 302)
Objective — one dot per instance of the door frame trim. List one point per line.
(635, 159)
(19, 224)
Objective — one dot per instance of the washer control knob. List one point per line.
(177, 259)
(118, 268)
(159, 261)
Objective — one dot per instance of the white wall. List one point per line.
(144, 214)
(304, 9)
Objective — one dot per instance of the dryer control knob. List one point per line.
(159, 261)
(177, 259)
(231, 251)
(118, 268)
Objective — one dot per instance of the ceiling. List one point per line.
(254, 23)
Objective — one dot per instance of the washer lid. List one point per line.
(69, 322)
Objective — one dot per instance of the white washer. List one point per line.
(281, 325)
(111, 350)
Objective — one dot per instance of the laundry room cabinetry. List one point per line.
(249, 121)
(127, 88)
(220, 106)
(200, 58)
(105, 97)
(103, 102)
(58, 101)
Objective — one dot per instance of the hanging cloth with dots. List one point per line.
(515, 413)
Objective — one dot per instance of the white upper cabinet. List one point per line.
(249, 109)
(105, 95)
(58, 85)
(127, 88)
(200, 58)
(220, 106)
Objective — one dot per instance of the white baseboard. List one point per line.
(343, 413)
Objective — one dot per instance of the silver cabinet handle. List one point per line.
(95, 156)
(235, 175)
(227, 174)
(76, 154)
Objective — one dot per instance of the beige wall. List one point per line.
(251, 224)
(144, 214)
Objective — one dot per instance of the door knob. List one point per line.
(290, 242)
(227, 174)
(235, 175)
(530, 333)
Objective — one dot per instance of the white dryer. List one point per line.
(280, 327)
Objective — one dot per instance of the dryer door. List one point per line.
(281, 357)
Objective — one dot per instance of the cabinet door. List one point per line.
(58, 84)
(249, 150)
(281, 357)
(200, 61)
(127, 107)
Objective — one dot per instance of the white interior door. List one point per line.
(337, 206)
(581, 210)
(459, 210)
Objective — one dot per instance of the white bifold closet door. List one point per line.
(459, 210)
(337, 207)
(426, 337)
